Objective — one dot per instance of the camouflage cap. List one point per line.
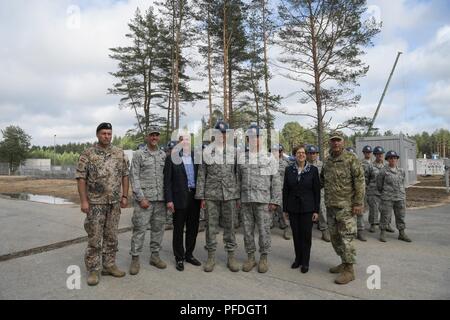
(337, 135)
(153, 129)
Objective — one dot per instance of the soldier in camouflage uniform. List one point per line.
(311, 156)
(372, 193)
(391, 185)
(169, 216)
(366, 163)
(343, 179)
(147, 181)
(260, 188)
(278, 216)
(101, 173)
(218, 191)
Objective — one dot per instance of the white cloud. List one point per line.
(54, 79)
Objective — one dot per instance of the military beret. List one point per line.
(104, 125)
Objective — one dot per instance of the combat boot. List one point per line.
(403, 236)
(389, 229)
(372, 228)
(211, 262)
(232, 263)
(156, 261)
(93, 278)
(113, 271)
(134, 267)
(286, 234)
(347, 275)
(326, 235)
(383, 236)
(263, 266)
(250, 263)
(337, 269)
(360, 235)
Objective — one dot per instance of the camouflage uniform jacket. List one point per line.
(260, 182)
(103, 170)
(391, 185)
(318, 164)
(366, 166)
(343, 180)
(147, 177)
(217, 181)
(373, 171)
(283, 164)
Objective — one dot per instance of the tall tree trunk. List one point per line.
(169, 107)
(225, 63)
(317, 87)
(230, 92)
(209, 67)
(266, 74)
(177, 62)
(255, 94)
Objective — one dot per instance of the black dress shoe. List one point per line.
(180, 265)
(193, 261)
(295, 265)
(304, 269)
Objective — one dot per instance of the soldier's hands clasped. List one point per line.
(272, 207)
(358, 211)
(144, 204)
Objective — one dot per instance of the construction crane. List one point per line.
(384, 93)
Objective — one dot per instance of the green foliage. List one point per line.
(294, 134)
(15, 146)
(59, 159)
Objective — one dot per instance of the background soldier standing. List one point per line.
(260, 187)
(312, 153)
(218, 191)
(101, 174)
(343, 179)
(147, 181)
(372, 193)
(278, 216)
(391, 185)
(366, 163)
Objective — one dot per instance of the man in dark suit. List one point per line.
(180, 178)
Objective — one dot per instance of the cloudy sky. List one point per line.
(54, 68)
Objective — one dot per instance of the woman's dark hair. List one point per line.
(297, 147)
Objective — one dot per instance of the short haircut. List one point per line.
(298, 147)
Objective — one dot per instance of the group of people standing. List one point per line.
(299, 192)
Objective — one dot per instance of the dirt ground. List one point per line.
(67, 189)
(431, 181)
(61, 188)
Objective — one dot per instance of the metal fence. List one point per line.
(56, 172)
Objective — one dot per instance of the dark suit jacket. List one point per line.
(176, 183)
(301, 196)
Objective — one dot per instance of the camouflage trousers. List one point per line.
(374, 208)
(256, 215)
(278, 219)
(360, 222)
(169, 217)
(342, 226)
(101, 225)
(386, 214)
(225, 210)
(155, 216)
(322, 224)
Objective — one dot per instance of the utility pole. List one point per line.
(54, 150)
(384, 93)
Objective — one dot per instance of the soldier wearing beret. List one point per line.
(102, 176)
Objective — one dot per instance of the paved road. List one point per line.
(418, 270)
